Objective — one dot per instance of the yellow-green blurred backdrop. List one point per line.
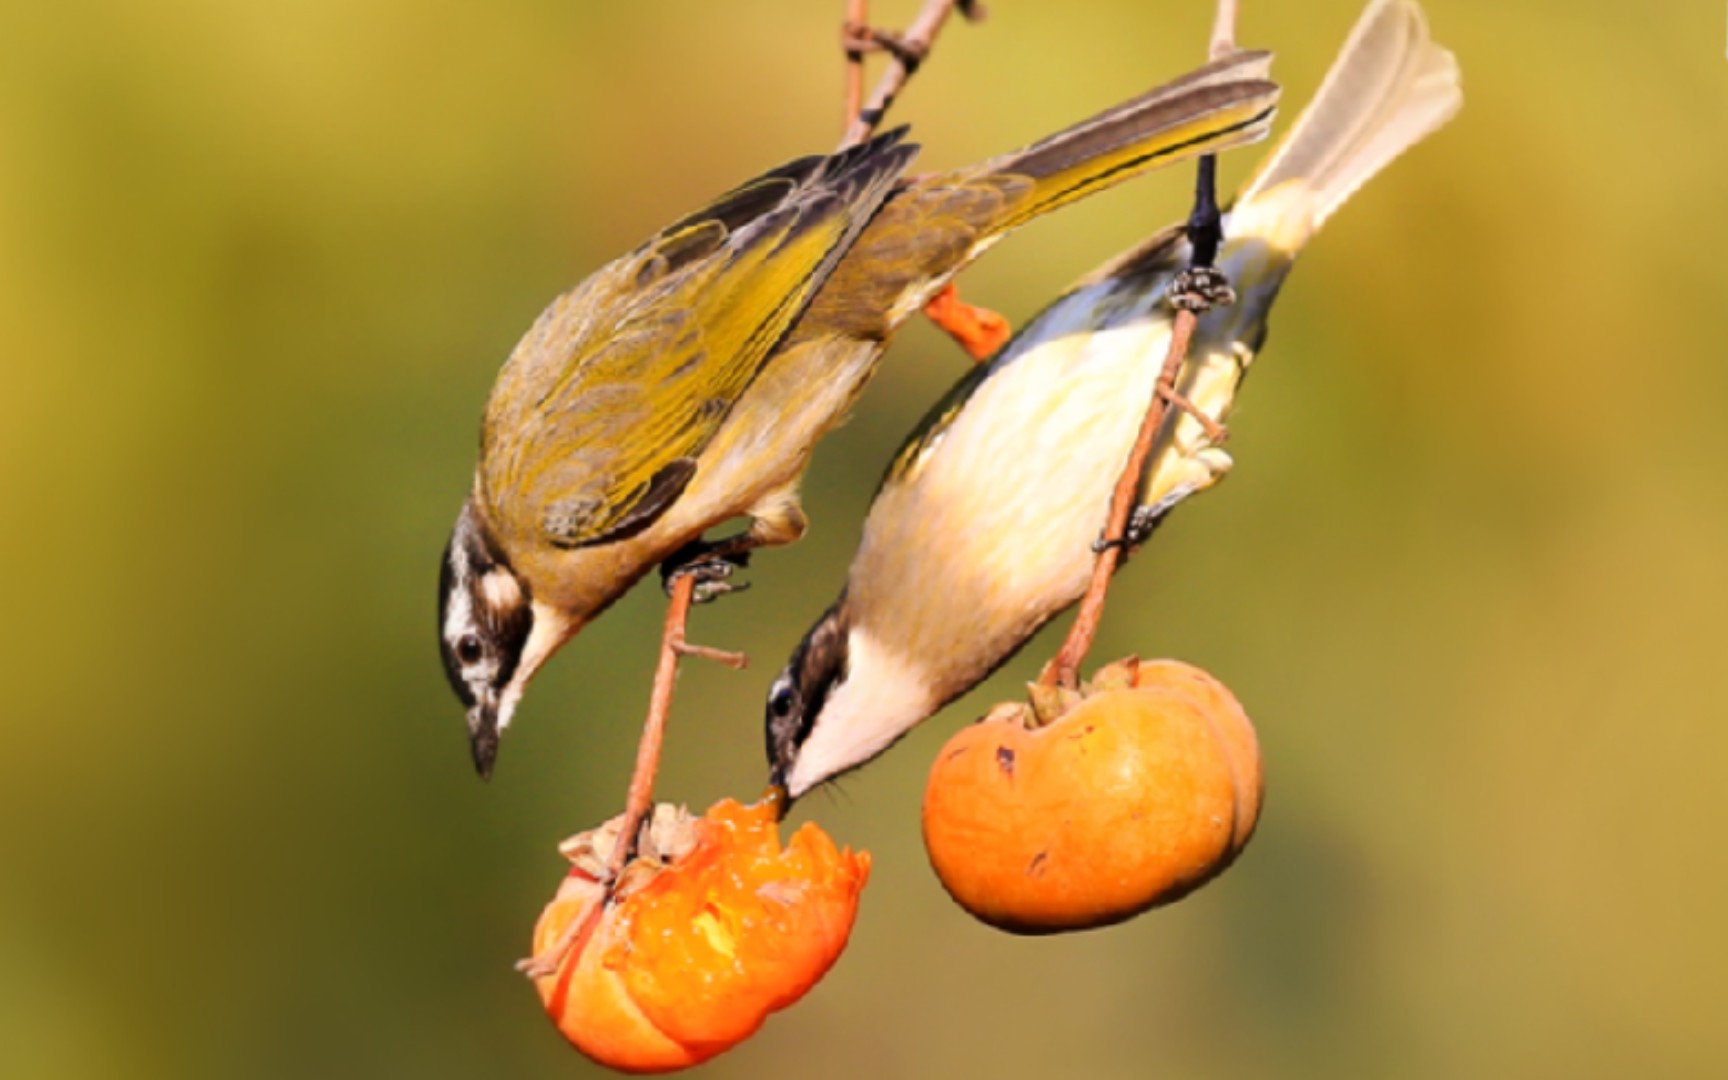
(259, 263)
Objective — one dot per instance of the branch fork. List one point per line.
(907, 51)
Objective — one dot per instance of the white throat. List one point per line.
(884, 696)
(551, 629)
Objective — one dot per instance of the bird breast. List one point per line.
(990, 533)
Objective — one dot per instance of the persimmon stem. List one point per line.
(906, 53)
(1064, 669)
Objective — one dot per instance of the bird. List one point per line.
(984, 526)
(686, 383)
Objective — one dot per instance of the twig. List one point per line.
(640, 799)
(856, 25)
(573, 940)
(905, 52)
(1064, 669)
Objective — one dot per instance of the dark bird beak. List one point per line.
(483, 736)
(777, 796)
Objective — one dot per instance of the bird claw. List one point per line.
(1143, 521)
(711, 565)
(1200, 289)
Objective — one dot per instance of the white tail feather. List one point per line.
(1390, 87)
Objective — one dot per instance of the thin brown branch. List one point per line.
(573, 940)
(905, 53)
(851, 34)
(639, 801)
(1064, 670)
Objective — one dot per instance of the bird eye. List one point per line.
(468, 649)
(780, 700)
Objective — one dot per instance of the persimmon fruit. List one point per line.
(1086, 808)
(713, 926)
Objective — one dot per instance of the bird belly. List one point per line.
(992, 534)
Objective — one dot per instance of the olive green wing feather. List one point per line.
(933, 226)
(596, 422)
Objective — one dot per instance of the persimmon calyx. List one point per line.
(1045, 704)
(668, 834)
(1120, 674)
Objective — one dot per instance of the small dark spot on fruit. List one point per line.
(1005, 759)
(1036, 867)
(956, 752)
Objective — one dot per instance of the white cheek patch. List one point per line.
(883, 697)
(459, 604)
(501, 590)
(460, 619)
(459, 616)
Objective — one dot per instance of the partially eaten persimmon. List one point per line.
(714, 925)
(1082, 810)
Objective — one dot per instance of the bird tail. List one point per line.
(1390, 88)
(1227, 103)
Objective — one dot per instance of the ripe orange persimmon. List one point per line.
(714, 927)
(1087, 809)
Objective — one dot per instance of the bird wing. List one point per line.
(597, 419)
(933, 226)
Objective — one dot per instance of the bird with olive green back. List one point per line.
(686, 383)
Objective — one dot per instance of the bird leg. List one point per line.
(710, 564)
(1200, 286)
(1205, 220)
(1146, 518)
(775, 520)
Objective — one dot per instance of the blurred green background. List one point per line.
(260, 262)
